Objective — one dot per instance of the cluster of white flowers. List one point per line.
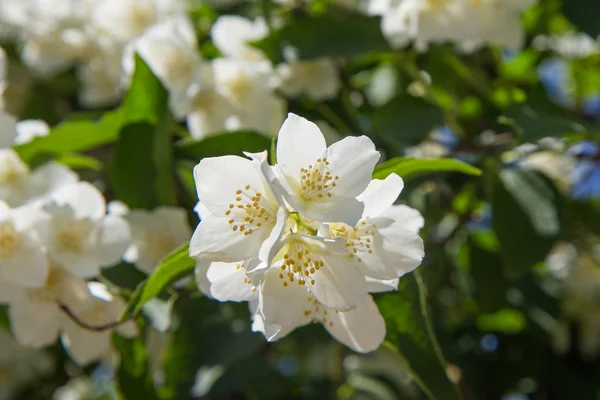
(100, 38)
(468, 23)
(55, 235)
(306, 239)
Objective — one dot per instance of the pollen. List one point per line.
(250, 211)
(316, 180)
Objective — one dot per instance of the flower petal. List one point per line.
(228, 282)
(85, 346)
(114, 237)
(202, 281)
(352, 159)
(300, 143)
(380, 195)
(362, 329)
(84, 198)
(35, 324)
(381, 286)
(406, 216)
(27, 267)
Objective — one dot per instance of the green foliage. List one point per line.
(410, 167)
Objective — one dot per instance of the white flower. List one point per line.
(19, 185)
(225, 281)
(82, 237)
(8, 129)
(155, 234)
(170, 50)
(23, 232)
(35, 315)
(102, 308)
(3, 73)
(322, 182)
(467, 23)
(231, 35)
(362, 329)
(29, 129)
(318, 79)
(243, 218)
(385, 242)
(101, 77)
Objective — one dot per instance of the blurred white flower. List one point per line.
(322, 182)
(35, 315)
(82, 237)
(170, 50)
(8, 129)
(29, 129)
(102, 308)
(155, 234)
(3, 74)
(19, 185)
(470, 24)
(317, 79)
(232, 33)
(19, 365)
(23, 235)
(101, 77)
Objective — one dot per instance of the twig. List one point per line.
(85, 325)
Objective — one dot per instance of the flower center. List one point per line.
(250, 211)
(10, 240)
(299, 265)
(72, 236)
(239, 87)
(316, 181)
(358, 240)
(12, 170)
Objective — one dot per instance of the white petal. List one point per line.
(231, 33)
(29, 129)
(406, 216)
(381, 286)
(228, 282)
(49, 177)
(84, 198)
(281, 306)
(332, 209)
(202, 281)
(114, 237)
(35, 324)
(339, 284)
(362, 329)
(27, 267)
(215, 239)
(267, 249)
(380, 195)
(8, 129)
(401, 249)
(10, 294)
(85, 346)
(353, 159)
(300, 143)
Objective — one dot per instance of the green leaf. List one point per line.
(405, 120)
(409, 332)
(185, 173)
(133, 377)
(583, 14)
(506, 320)
(409, 167)
(327, 35)
(79, 161)
(539, 118)
(526, 216)
(232, 143)
(522, 68)
(174, 266)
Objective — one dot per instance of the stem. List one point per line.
(429, 326)
(97, 328)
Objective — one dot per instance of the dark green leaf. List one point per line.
(405, 120)
(328, 35)
(527, 217)
(407, 331)
(408, 167)
(232, 143)
(79, 161)
(583, 14)
(133, 377)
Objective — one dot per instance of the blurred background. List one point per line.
(511, 278)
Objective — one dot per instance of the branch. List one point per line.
(97, 328)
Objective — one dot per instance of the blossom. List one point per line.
(101, 77)
(23, 233)
(170, 50)
(8, 129)
(231, 35)
(29, 129)
(155, 234)
(322, 182)
(19, 185)
(82, 237)
(243, 216)
(317, 79)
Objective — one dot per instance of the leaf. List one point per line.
(80, 161)
(539, 118)
(133, 378)
(526, 216)
(405, 120)
(231, 143)
(583, 14)
(506, 320)
(409, 167)
(174, 266)
(327, 35)
(185, 173)
(406, 318)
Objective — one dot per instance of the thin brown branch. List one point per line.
(85, 325)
